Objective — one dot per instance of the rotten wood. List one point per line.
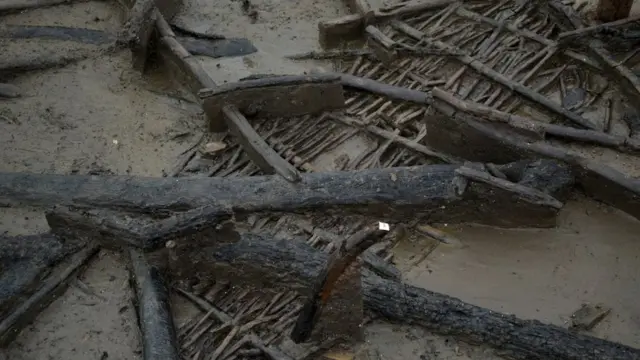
(384, 48)
(351, 27)
(273, 96)
(52, 287)
(153, 309)
(513, 337)
(532, 128)
(469, 138)
(409, 191)
(340, 260)
(256, 147)
(525, 91)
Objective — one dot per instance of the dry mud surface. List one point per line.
(99, 116)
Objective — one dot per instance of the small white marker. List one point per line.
(383, 226)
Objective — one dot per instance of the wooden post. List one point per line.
(612, 10)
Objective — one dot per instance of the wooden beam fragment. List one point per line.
(465, 136)
(524, 91)
(534, 129)
(258, 150)
(273, 96)
(513, 337)
(411, 191)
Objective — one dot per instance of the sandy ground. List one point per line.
(99, 116)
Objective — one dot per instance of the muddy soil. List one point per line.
(98, 116)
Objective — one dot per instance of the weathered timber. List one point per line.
(153, 309)
(528, 127)
(267, 159)
(29, 306)
(472, 62)
(515, 338)
(465, 136)
(117, 231)
(347, 252)
(351, 27)
(393, 193)
(47, 60)
(274, 96)
(86, 36)
(18, 5)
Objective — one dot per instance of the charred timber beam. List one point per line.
(436, 191)
(154, 312)
(467, 137)
(273, 96)
(24, 288)
(486, 71)
(515, 338)
(537, 130)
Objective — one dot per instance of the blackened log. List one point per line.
(295, 265)
(436, 191)
(513, 337)
(467, 137)
(154, 312)
(48, 290)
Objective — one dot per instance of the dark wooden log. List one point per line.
(274, 96)
(19, 276)
(395, 194)
(513, 337)
(154, 311)
(86, 36)
(465, 136)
